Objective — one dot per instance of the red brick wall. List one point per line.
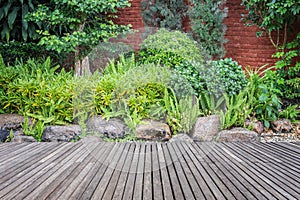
(242, 45)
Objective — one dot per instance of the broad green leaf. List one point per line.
(7, 7)
(5, 31)
(12, 17)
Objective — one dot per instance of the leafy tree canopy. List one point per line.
(71, 25)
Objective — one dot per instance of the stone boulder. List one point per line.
(237, 135)
(61, 133)
(181, 137)
(4, 134)
(205, 128)
(281, 126)
(153, 130)
(12, 122)
(112, 128)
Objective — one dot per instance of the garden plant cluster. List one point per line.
(171, 78)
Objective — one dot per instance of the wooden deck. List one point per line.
(150, 171)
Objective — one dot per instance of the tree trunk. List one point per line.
(82, 67)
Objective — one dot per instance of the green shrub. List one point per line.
(175, 42)
(264, 101)
(166, 58)
(13, 25)
(207, 25)
(288, 70)
(26, 50)
(164, 14)
(231, 74)
(34, 89)
(137, 91)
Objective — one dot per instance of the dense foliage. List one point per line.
(206, 20)
(71, 24)
(170, 79)
(207, 24)
(272, 15)
(279, 19)
(13, 25)
(164, 14)
(175, 42)
(231, 74)
(34, 89)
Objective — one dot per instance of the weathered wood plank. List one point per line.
(280, 181)
(156, 174)
(176, 187)
(26, 174)
(7, 148)
(203, 180)
(258, 186)
(165, 178)
(111, 166)
(282, 168)
(108, 151)
(54, 176)
(67, 177)
(25, 161)
(138, 186)
(185, 162)
(121, 184)
(147, 182)
(130, 184)
(98, 155)
(288, 146)
(117, 171)
(150, 171)
(271, 155)
(19, 152)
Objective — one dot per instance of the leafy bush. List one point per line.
(166, 58)
(35, 90)
(264, 101)
(288, 70)
(137, 91)
(231, 75)
(78, 24)
(175, 42)
(164, 14)
(279, 19)
(207, 25)
(26, 50)
(13, 25)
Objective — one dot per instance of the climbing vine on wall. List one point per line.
(207, 25)
(164, 13)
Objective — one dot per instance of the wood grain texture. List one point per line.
(150, 170)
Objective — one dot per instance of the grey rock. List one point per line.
(181, 137)
(237, 135)
(61, 133)
(4, 134)
(153, 130)
(112, 128)
(205, 128)
(281, 126)
(12, 121)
